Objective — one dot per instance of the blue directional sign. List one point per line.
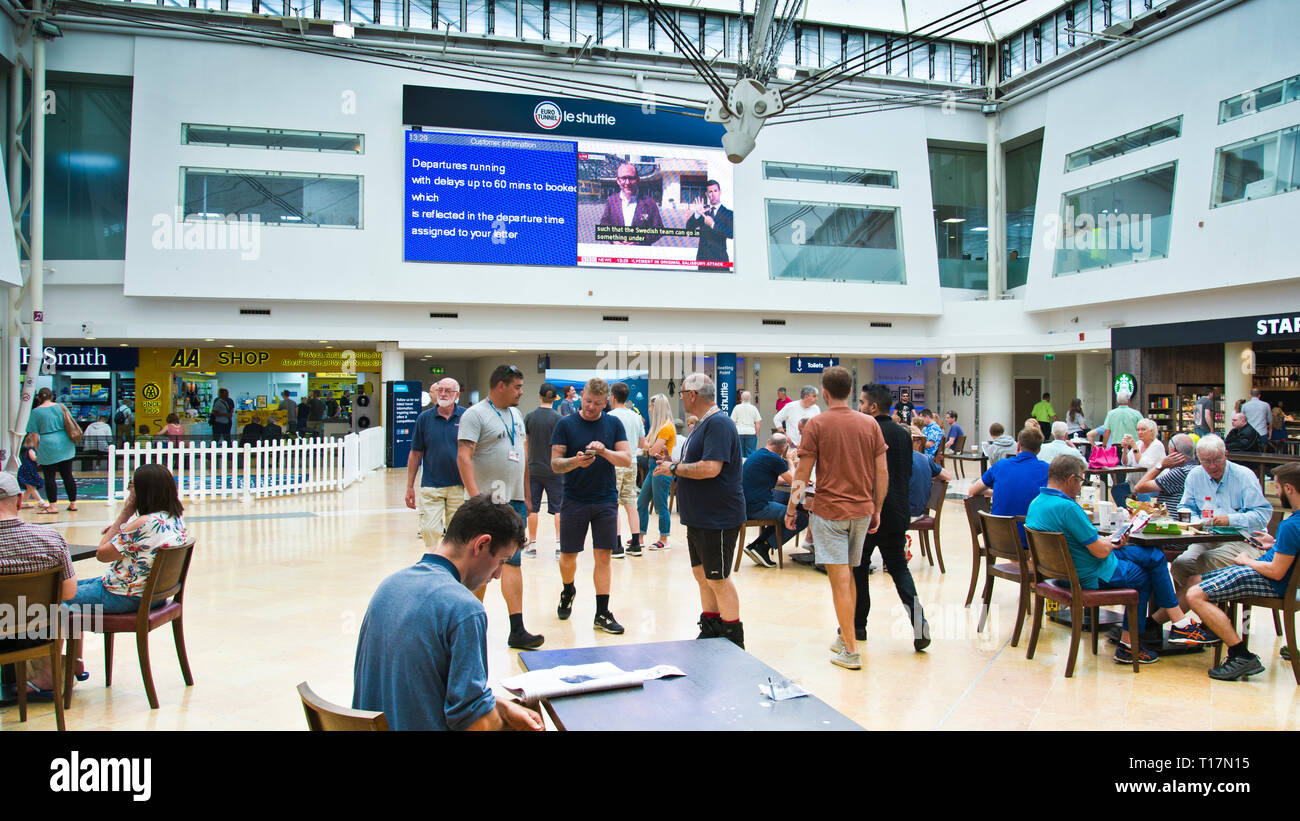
(812, 364)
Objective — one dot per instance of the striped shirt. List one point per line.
(29, 548)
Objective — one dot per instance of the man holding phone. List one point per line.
(1265, 577)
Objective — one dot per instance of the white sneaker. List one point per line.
(849, 661)
(530, 552)
(838, 645)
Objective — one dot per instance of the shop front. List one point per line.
(90, 381)
(185, 381)
(1170, 365)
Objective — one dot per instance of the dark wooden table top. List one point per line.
(719, 691)
(82, 551)
(1162, 540)
(1263, 458)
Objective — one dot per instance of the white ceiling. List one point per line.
(902, 15)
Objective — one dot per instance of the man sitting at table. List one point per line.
(763, 471)
(1166, 479)
(1059, 445)
(1266, 577)
(932, 431)
(1237, 501)
(1014, 482)
(422, 654)
(1000, 445)
(954, 432)
(1100, 563)
(253, 432)
(1242, 436)
(924, 471)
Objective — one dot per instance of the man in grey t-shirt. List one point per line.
(491, 457)
(1258, 414)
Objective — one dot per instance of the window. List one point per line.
(638, 28)
(560, 23)
(689, 22)
(505, 18)
(272, 138)
(534, 23)
(421, 14)
(584, 22)
(361, 11)
(800, 172)
(330, 10)
(449, 15)
(810, 46)
(920, 59)
(834, 241)
(941, 59)
(390, 13)
(1116, 222)
(1259, 167)
(274, 197)
(898, 55)
(963, 64)
(611, 25)
(878, 49)
(1022, 167)
(1260, 99)
(1142, 138)
(715, 35)
(476, 17)
(959, 191)
(832, 46)
(789, 51)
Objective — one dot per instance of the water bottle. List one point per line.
(1207, 513)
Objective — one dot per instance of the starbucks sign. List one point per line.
(1126, 383)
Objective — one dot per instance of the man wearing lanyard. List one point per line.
(491, 460)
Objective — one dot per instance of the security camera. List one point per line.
(749, 104)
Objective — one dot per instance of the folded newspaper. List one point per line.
(570, 680)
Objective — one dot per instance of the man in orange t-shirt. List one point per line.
(848, 450)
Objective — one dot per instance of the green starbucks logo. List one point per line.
(1126, 383)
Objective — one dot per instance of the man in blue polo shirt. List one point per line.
(1100, 563)
(1014, 481)
(433, 451)
(1265, 577)
(763, 470)
(422, 653)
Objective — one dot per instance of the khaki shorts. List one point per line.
(627, 489)
(437, 506)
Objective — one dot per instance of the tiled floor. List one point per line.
(275, 600)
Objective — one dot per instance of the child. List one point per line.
(173, 430)
(30, 477)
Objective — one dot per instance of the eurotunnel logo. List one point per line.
(548, 115)
(151, 391)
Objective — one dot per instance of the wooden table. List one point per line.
(971, 457)
(82, 551)
(719, 691)
(1261, 460)
(1106, 473)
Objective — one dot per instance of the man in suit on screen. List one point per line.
(630, 208)
(714, 222)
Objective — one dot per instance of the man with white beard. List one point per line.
(433, 448)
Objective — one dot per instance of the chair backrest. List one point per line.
(1052, 559)
(171, 566)
(20, 591)
(324, 716)
(1002, 539)
(1275, 521)
(938, 492)
(973, 505)
(960, 445)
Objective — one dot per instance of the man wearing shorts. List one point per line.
(539, 424)
(625, 478)
(711, 503)
(586, 447)
(491, 458)
(1265, 577)
(848, 450)
(433, 454)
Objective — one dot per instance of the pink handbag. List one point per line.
(1102, 457)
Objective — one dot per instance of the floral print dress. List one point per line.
(128, 575)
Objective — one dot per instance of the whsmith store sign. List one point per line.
(83, 359)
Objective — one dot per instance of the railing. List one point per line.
(211, 470)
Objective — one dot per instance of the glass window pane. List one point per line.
(638, 28)
(449, 15)
(1260, 99)
(1117, 222)
(959, 192)
(832, 46)
(1142, 138)
(920, 58)
(899, 58)
(943, 62)
(689, 21)
(1016, 47)
(505, 18)
(331, 10)
(1022, 169)
(810, 46)
(275, 198)
(962, 65)
(271, 138)
(561, 27)
(855, 46)
(476, 17)
(1099, 16)
(789, 51)
(245, 6)
(361, 11)
(1259, 167)
(533, 21)
(421, 14)
(803, 172)
(584, 22)
(271, 8)
(611, 25)
(715, 35)
(837, 242)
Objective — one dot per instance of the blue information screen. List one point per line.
(480, 198)
(403, 401)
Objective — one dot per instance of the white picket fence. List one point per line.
(210, 470)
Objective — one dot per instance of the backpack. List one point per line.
(119, 418)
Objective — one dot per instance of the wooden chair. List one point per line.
(167, 579)
(672, 493)
(761, 523)
(1052, 560)
(18, 594)
(1002, 541)
(929, 523)
(1284, 607)
(322, 716)
(959, 447)
(973, 505)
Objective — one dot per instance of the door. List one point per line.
(1028, 392)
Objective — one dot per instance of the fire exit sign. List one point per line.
(436, 371)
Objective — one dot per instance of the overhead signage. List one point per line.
(1258, 328)
(1126, 383)
(812, 364)
(346, 362)
(64, 359)
(725, 381)
(556, 116)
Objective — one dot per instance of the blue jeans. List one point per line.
(776, 510)
(92, 592)
(1146, 570)
(748, 444)
(656, 486)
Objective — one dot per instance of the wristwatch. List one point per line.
(673, 469)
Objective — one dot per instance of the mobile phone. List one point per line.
(1119, 534)
(1250, 539)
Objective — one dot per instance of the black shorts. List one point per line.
(576, 516)
(554, 487)
(715, 549)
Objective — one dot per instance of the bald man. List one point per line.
(747, 417)
(433, 454)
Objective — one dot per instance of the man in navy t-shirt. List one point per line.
(1015, 481)
(954, 432)
(924, 471)
(763, 470)
(422, 653)
(586, 446)
(711, 503)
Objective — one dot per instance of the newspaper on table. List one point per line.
(570, 680)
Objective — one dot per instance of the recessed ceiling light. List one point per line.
(209, 339)
(955, 219)
(322, 341)
(513, 351)
(123, 345)
(230, 346)
(329, 347)
(91, 338)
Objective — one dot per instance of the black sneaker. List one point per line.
(761, 552)
(1285, 653)
(566, 605)
(710, 627)
(617, 552)
(523, 640)
(606, 622)
(634, 549)
(922, 641)
(1237, 669)
(1124, 655)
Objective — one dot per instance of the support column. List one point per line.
(996, 395)
(393, 366)
(997, 234)
(1238, 373)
